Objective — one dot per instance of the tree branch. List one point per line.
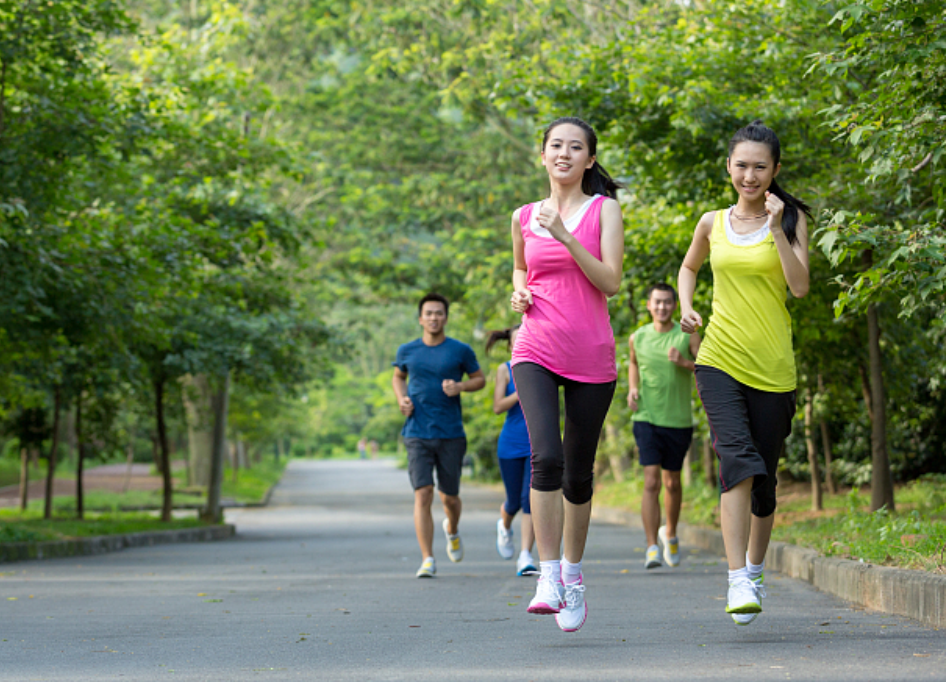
(922, 164)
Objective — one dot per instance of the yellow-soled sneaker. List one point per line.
(671, 547)
(652, 560)
(746, 618)
(743, 597)
(454, 543)
(428, 569)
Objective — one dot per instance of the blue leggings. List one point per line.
(517, 477)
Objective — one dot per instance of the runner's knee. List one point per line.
(579, 486)
(651, 482)
(763, 499)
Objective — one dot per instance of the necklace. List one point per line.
(749, 217)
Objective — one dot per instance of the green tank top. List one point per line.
(749, 335)
(665, 387)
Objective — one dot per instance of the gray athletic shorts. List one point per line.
(444, 454)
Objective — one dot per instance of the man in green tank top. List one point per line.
(660, 376)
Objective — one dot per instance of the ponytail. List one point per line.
(757, 131)
(596, 179)
(500, 335)
(792, 206)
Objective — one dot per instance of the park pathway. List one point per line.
(320, 586)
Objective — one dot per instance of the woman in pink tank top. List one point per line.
(568, 252)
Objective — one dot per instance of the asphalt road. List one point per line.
(320, 586)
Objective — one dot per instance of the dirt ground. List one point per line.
(111, 477)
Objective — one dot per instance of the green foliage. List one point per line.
(894, 56)
(265, 189)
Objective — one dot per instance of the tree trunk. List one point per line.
(24, 478)
(156, 453)
(865, 392)
(53, 453)
(826, 445)
(881, 482)
(198, 409)
(620, 462)
(70, 437)
(709, 468)
(80, 460)
(167, 498)
(221, 398)
(129, 463)
(816, 504)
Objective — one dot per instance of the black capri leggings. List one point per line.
(749, 428)
(562, 463)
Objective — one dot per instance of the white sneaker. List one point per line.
(743, 597)
(573, 615)
(428, 569)
(504, 541)
(671, 547)
(454, 543)
(652, 558)
(746, 618)
(549, 597)
(525, 566)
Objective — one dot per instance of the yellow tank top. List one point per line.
(749, 335)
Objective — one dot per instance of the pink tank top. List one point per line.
(567, 329)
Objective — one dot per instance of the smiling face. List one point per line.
(752, 168)
(566, 155)
(661, 305)
(433, 317)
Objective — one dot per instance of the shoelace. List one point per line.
(572, 592)
(759, 589)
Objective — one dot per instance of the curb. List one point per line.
(26, 551)
(914, 594)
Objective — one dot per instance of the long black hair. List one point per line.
(500, 335)
(757, 131)
(596, 179)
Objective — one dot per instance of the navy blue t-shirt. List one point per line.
(436, 415)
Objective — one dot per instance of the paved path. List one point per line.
(320, 586)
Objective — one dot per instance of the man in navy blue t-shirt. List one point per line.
(433, 432)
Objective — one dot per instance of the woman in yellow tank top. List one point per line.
(745, 370)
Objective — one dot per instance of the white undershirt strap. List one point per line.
(571, 223)
(750, 239)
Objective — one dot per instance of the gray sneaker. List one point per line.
(428, 569)
(504, 545)
(454, 543)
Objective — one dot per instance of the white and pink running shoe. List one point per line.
(549, 597)
(575, 610)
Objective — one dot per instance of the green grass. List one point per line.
(29, 526)
(912, 537)
(252, 484)
(104, 501)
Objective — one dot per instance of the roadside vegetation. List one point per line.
(912, 537)
(216, 218)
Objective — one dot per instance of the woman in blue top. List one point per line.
(515, 462)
